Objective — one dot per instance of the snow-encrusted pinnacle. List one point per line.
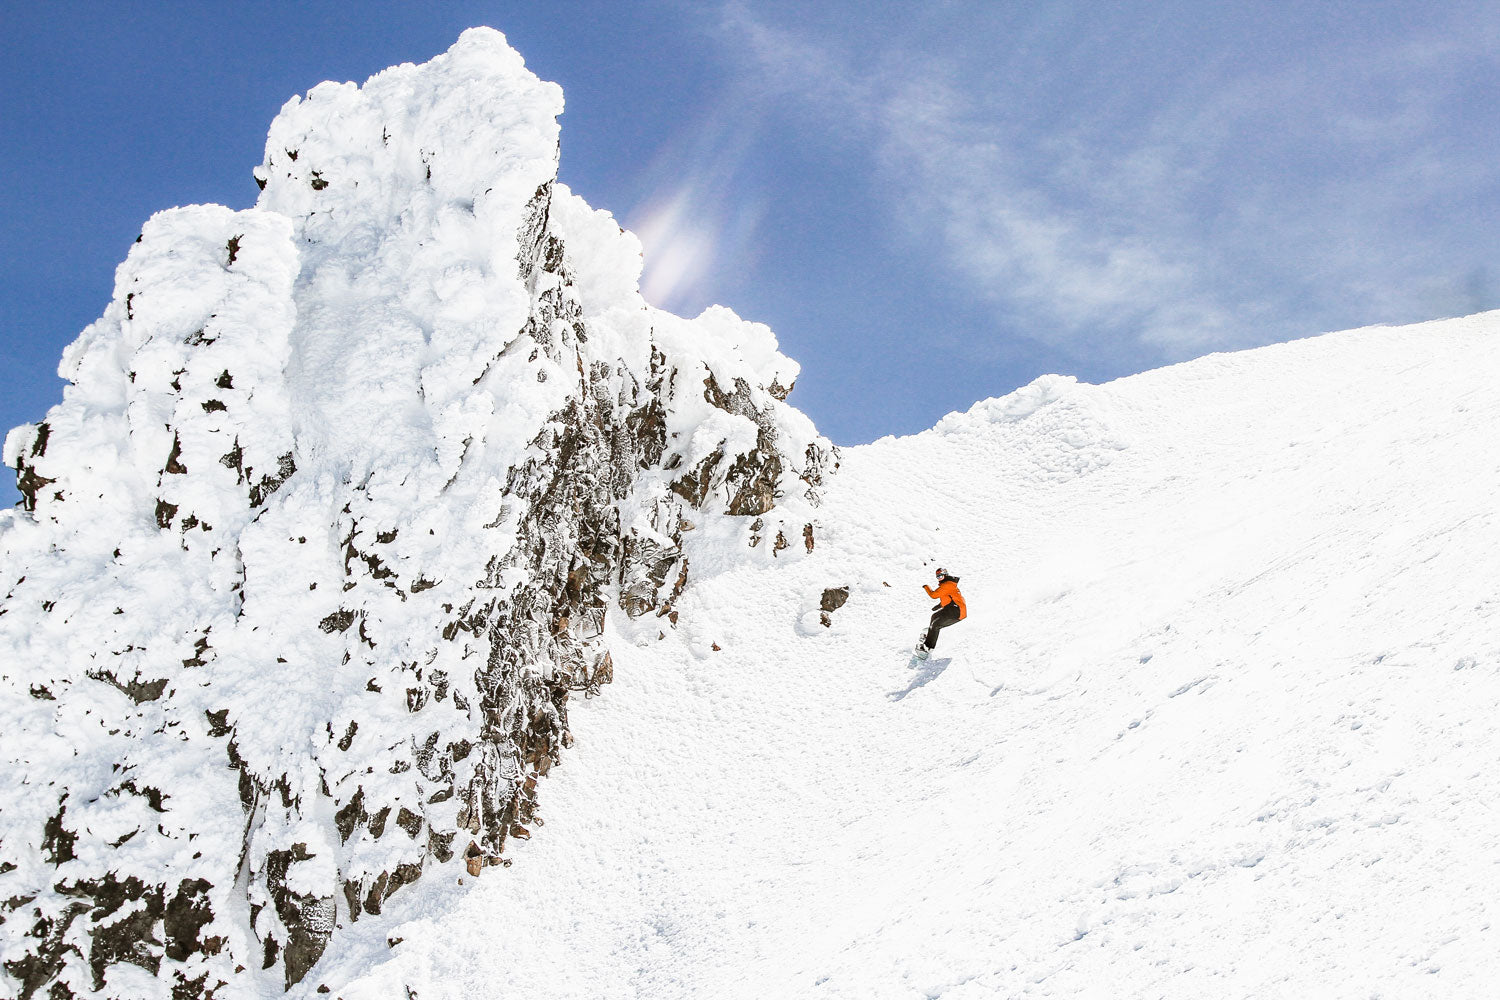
(329, 526)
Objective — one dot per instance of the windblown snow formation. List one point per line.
(324, 535)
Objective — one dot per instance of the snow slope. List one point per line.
(1221, 722)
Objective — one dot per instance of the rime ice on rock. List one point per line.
(327, 528)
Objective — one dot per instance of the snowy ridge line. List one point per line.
(328, 528)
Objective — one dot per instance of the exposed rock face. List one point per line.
(332, 523)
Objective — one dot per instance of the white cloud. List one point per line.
(951, 173)
(1061, 271)
(1252, 204)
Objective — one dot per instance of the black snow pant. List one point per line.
(941, 619)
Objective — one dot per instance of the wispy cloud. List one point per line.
(1062, 269)
(697, 213)
(1253, 204)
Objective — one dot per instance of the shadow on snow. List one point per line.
(927, 672)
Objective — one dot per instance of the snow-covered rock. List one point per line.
(328, 527)
(1221, 721)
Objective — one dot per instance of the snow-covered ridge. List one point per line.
(328, 528)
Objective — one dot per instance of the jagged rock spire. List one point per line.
(338, 511)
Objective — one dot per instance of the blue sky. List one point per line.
(930, 203)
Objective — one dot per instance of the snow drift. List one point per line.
(352, 493)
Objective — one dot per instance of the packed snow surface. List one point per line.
(1221, 721)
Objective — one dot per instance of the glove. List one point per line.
(937, 607)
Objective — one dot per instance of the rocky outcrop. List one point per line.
(337, 516)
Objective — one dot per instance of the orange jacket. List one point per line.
(947, 593)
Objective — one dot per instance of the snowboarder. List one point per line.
(950, 609)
